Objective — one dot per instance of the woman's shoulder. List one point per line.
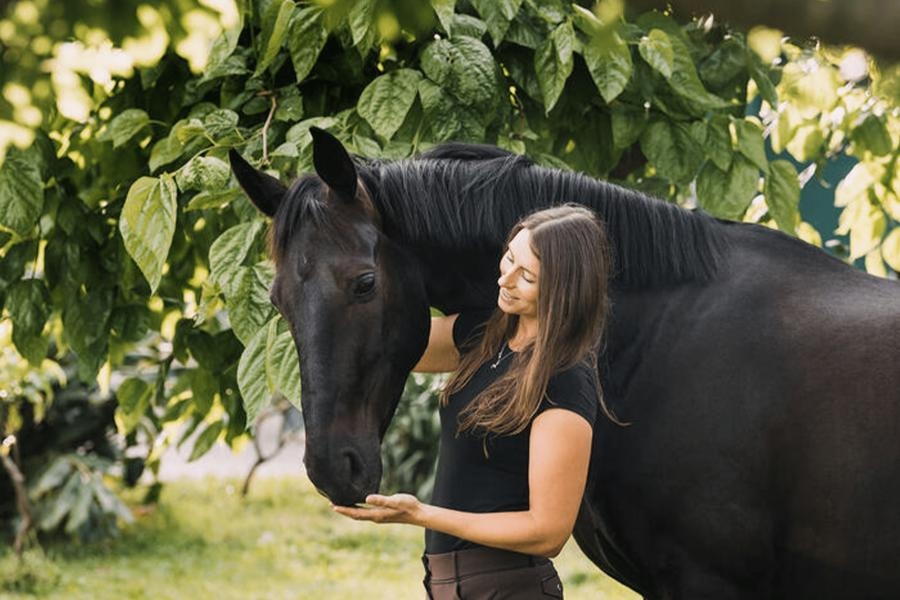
(576, 389)
(583, 375)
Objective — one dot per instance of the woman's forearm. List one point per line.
(518, 531)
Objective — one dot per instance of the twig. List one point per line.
(265, 130)
(22, 503)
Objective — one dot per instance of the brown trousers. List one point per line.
(489, 573)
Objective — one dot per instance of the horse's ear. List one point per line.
(264, 191)
(333, 163)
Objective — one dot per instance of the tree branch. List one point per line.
(22, 503)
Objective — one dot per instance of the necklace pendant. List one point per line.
(500, 357)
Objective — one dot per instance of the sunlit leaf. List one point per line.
(206, 439)
(782, 192)
(134, 398)
(890, 249)
(125, 126)
(656, 49)
(147, 224)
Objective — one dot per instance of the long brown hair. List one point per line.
(572, 306)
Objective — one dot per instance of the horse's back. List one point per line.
(764, 447)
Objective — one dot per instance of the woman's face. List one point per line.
(519, 271)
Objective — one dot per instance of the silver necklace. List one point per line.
(501, 356)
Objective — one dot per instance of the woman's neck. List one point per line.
(525, 333)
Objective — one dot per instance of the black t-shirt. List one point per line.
(466, 478)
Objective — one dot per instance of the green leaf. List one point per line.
(386, 101)
(21, 191)
(228, 252)
(444, 11)
(497, 14)
(28, 304)
(782, 191)
(445, 117)
(609, 61)
(686, 83)
(134, 397)
(750, 142)
(871, 136)
(206, 440)
(125, 126)
(727, 194)
(627, 126)
(61, 504)
(670, 147)
(251, 374)
(283, 365)
(219, 123)
(656, 49)
(249, 307)
(52, 477)
(464, 68)
(553, 62)
(890, 249)
(86, 328)
(725, 63)
(714, 135)
(81, 506)
(147, 224)
(361, 19)
(306, 39)
(275, 27)
(763, 81)
(203, 173)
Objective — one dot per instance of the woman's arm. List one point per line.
(441, 355)
(559, 452)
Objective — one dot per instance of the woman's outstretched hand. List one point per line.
(398, 508)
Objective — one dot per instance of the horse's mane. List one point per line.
(463, 195)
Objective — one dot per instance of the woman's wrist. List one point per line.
(426, 515)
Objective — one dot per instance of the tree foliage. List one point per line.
(122, 228)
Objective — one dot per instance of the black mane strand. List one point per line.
(463, 195)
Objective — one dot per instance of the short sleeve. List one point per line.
(469, 327)
(574, 389)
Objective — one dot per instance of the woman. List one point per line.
(516, 416)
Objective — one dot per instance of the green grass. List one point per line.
(283, 541)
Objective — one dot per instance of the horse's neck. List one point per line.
(454, 217)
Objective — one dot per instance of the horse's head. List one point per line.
(356, 305)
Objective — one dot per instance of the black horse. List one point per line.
(760, 376)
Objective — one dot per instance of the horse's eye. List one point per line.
(364, 285)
